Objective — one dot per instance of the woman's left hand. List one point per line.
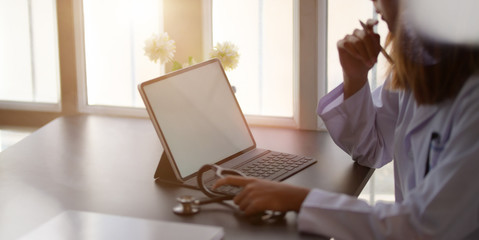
(259, 195)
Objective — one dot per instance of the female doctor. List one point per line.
(425, 118)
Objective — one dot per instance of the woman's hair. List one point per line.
(434, 71)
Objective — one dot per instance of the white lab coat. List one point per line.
(375, 128)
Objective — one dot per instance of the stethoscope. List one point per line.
(189, 205)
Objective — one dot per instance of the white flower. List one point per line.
(160, 47)
(227, 53)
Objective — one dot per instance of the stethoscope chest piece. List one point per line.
(187, 206)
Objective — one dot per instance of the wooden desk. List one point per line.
(106, 165)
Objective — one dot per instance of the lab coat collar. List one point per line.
(422, 114)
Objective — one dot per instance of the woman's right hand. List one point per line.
(358, 53)
(259, 195)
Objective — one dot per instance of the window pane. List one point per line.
(29, 51)
(263, 32)
(343, 18)
(115, 32)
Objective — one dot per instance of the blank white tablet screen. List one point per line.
(199, 117)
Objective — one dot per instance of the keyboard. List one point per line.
(275, 166)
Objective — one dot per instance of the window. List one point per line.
(114, 35)
(104, 63)
(115, 31)
(263, 31)
(29, 70)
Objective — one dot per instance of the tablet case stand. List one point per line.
(164, 173)
(164, 170)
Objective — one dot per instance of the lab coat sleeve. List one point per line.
(362, 125)
(345, 217)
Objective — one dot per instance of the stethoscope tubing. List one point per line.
(212, 200)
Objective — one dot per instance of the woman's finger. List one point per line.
(253, 207)
(354, 47)
(368, 46)
(361, 45)
(232, 180)
(370, 23)
(243, 203)
(347, 44)
(244, 195)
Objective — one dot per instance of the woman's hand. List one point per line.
(358, 53)
(259, 195)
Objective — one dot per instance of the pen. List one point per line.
(432, 144)
(383, 51)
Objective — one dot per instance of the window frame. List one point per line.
(14, 106)
(81, 82)
(310, 18)
(31, 114)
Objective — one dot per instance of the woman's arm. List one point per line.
(359, 122)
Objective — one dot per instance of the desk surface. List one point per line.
(106, 165)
